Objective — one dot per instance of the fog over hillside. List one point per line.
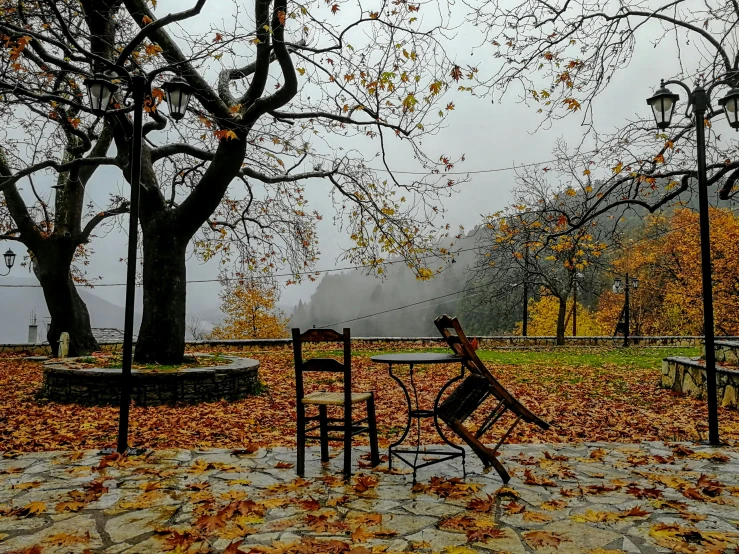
(348, 299)
(21, 296)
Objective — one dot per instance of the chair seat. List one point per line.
(334, 398)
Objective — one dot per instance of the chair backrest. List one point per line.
(328, 365)
(461, 346)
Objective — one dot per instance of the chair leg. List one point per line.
(486, 455)
(372, 421)
(347, 442)
(301, 441)
(323, 414)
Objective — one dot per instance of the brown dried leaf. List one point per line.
(636, 511)
(598, 454)
(361, 535)
(553, 505)
(34, 508)
(210, 523)
(71, 506)
(514, 508)
(539, 539)
(644, 493)
(483, 505)
(483, 534)
(363, 483)
(536, 517)
(532, 479)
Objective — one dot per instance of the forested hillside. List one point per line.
(401, 305)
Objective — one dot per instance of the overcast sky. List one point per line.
(490, 135)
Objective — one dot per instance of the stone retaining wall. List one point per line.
(688, 376)
(489, 341)
(102, 386)
(45, 349)
(727, 351)
(509, 341)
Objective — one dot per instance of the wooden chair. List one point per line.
(472, 392)
(331, 429)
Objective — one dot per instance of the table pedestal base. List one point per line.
(413, 461)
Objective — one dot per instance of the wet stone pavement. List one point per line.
(595, 497)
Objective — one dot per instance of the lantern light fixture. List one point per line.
(100, 89)
(178, 92)
(9, 258)
(663, 106)
(617, 285)
(730, 103)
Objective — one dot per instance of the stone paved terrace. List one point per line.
(600, 498)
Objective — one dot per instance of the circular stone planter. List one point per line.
(192, 385)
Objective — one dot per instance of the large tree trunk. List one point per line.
(561, 321)
(166, 233)
(161, 337)
(68, 311)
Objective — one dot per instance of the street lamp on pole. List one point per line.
(663, 106)
(101, 89)
(619, 288)
(9, 257)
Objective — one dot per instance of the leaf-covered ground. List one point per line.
(587, 394)
(580, 499)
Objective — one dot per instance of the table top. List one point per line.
(417, 358)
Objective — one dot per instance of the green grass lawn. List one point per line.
(642, 358)
(636, 357)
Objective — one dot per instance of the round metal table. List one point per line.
(411, 360)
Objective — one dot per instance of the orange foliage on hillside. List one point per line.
(669, 299)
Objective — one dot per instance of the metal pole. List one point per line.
(138, 89)
(525, 326)
(700, 99)
(626, 314)
(574, 310)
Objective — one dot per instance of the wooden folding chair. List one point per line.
(472, 392)
(331, 429)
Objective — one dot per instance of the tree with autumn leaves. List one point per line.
(662, 252)
(516, 250)
(562, 56)
(251, 311)
(666, 259)
(544, 316)
(268, 93)
(55, 223)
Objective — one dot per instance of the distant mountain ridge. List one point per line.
(18, 301)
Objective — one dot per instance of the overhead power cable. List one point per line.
(470, 172)
(219, 280)
(406, 306)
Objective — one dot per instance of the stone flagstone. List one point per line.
(590, 498)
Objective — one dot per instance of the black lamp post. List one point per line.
(618, 288)
(101, 89)
(9, 261)
(663, 106)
